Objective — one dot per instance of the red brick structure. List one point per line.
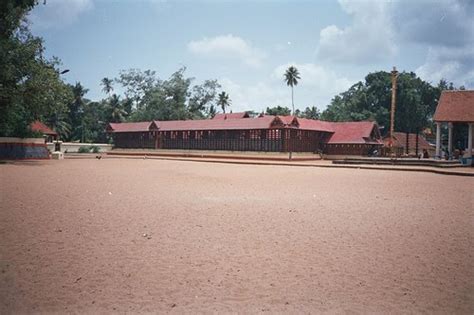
(238, 132)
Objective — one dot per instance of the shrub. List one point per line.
(84, 149)
(95, 149)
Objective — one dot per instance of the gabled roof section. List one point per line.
(287, 120)
(455, 106)
(313, 124)
(231, 116)
(142, 126)
(355, 132)
(38, 126)
(400, 140)
(220, 124)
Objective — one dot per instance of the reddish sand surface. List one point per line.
(137, 236)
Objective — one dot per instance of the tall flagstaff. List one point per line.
(392, 108)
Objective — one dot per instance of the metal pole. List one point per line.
(393, 104)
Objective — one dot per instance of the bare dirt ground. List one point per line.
(131, 235)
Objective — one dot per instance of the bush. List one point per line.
(84, 149)
(95, 149)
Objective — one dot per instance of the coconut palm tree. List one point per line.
(292, 76)
(115, 109)
(223, 100)
(107, 85)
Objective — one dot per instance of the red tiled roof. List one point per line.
(231, 116)
(400, 140)
(313, 124)
(130, 127)
(306, 124)
(455, 106)
(220, 124)
(354, 132)
(286, 119)
(40, 127)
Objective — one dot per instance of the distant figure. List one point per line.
(426, 155)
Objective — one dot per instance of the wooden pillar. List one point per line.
(450, 140)
(469, 140)
(438, 140)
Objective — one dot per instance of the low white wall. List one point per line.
(71, 147)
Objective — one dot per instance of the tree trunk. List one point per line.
(292, 102)
(407, 144)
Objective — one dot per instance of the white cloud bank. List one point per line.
(228, 47)
(316, 88)
(315, 77)
(57, 13)
(381, 29)
(368, 39)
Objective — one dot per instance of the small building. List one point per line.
(48, 133)
(354, 138)
(455, 107)
(410, 144)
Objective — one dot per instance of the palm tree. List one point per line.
(291, 78)
(115, 109)
(223, 101)
(107, 85)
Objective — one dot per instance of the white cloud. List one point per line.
(453, 64)
(316, 87)
(315, 77)
(255, 97)
(439, 23)
(57, 13)
(369, 38)
(228, 47)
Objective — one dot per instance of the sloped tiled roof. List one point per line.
(219, 124)
(354, 132)
(142, 126)
(400, 140)
(313, 124)
(455, 106)
(231, 115)
(38, 126)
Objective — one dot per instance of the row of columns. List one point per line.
(450, 139)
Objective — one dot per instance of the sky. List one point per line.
(247, 45)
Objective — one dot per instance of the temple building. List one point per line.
(239, 132)
(455, 107)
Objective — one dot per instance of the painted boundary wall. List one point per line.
(23, 148)
(73, 147)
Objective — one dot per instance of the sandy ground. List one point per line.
(123, 235)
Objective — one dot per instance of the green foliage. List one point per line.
(292, 76)
(223, 101)
(30, 86)
(95, 149)
(107, 85)
(370, 100)
(137, 84)
(309, 112)
(278, 111)
(84, 149)
(175, 99)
